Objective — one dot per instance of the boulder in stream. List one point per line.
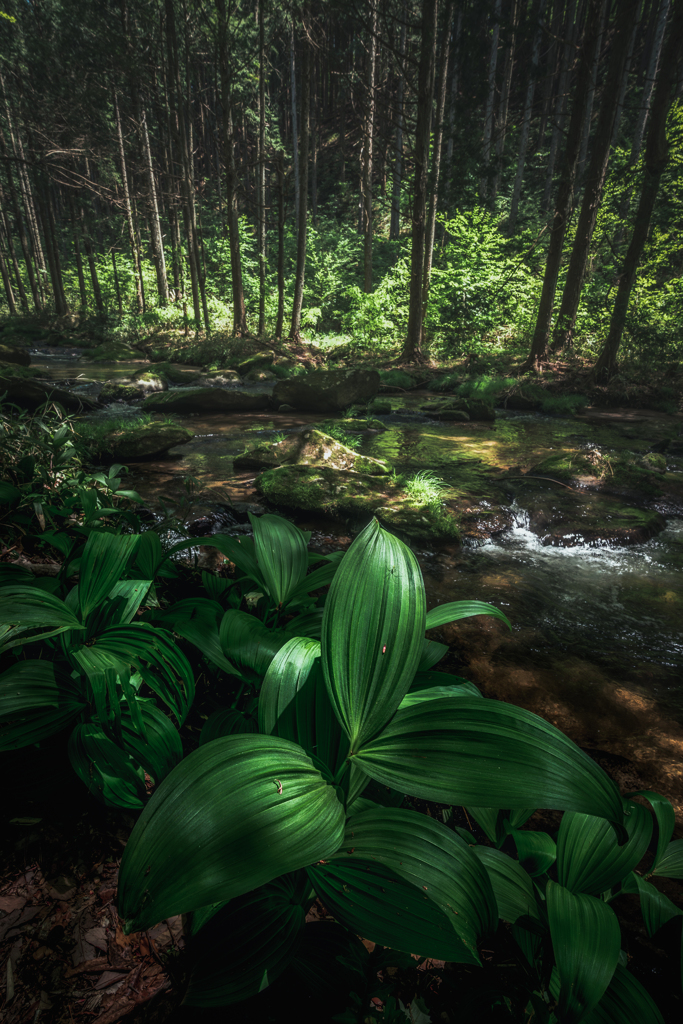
(145, 441)
(327, 390)
(206, 400)
(218, 378)
(12, 354)
(310, 447)
(29, 394)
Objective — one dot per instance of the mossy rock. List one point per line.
(144, 442)
(310, 448)
(354, 424)
(621, 473)
(380, 407)
(113, 352)
(258, 360)
(206, 400)
(170, 373)
(398, 379)
(259, 376)
(15, 370)
(118, 391)
(327, 391)
(419, 522)
(11, 354)
(482, 411)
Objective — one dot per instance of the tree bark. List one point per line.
(155, 224)
(560, 104)
(127, 207)
(649, 80)
(280, 245)
(395, 221)
(13, 257)
(454, 88)
(367, 151)
(505, 97)
(491, 95)
(262, 174)
(565, 192)
(18, 220)
(295, 126)
(656, 160)
(526, 119)
(588, 117)
(6, 280)
(624, 78)
(295, 329)
(94, 278)
(595, 178)
(425, 93)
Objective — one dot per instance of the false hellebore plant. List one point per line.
(250, 828)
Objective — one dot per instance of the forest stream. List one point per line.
(591, 582)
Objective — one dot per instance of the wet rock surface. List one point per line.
(206, 400)
(145, 442)
(327, 391)
(30, 394)
(12, 354)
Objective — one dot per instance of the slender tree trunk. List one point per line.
(560, 104)
(239, 312)
(565, 191)
(491, 95)
(588, 118)
(595, 178)
(6, 280)
(117, 286)
(425, 94)
(92, 265)
(624, 78)
(195, 235)
(280, 245)
(295, 328)
(18, 220)
(79, 258)
(262, 173)
(455, 82)
(314, 144)
(505, 97)
(649, 80)
(54, 264)
(656, 160)
(367, 151)
(295, 127)
(127, 207)
(342, 135)
(13, 257)
(395, 221)
(436, 160)
(526, 119)
(155, 224)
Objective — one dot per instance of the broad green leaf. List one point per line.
(427, 680)
(433, 859)
(282, 555)
(469, 751)
(380, 905)
(455, 610)
(248, 642)
(160, 749)
(104, 559)
(586, 941)
(196, 619)
(624, 1002)
(491, 821)
(512, 886)
(656, 908)
(321, 577)
(536, 851)
(248, 943)
(149, 554)
(431, 654)
(588, 857)
(286, 675)
(215, 586)
(232, 816)
(309, 624)
(9, 494)
(666, 819)
(227, 722)
(35, 702)
(372, 632)
(127, 596)
(435, 693)
(240, 550)
(105, 768)
(25, 605)
(670, 864)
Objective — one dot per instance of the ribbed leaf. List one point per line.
(248, 642)
(624, 1002)
(105, 768)
(588, 857)
(586, 940)
(196, 619)
(149, 554)
(282, 555)
(465, 750)
(286, 675)
(670, 864)
(321, 577)
(666, 819)
(227, 722)
(233, 815)
(433, 859)
(160, 749)
(247, 944)
(239, 550)
(8, 493)
(380, 905)
(431, 654)
(124, 600)
(512, 886)
(35, 702)
(427, 680)
(104, 559)
(309, 624)
(372, 632)
(22, 605)
(656, 908)
(536, 851)
(455, 610)
(435, 693)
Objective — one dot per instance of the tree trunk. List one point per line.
(94, 278)
(367, 151)
(505, 97)
(18, 220)
(649, 80)
(395, 222)
(425, 94)
(491, 95)
(280, 245)
(565, 191)
(13, 257)
(454, 89)
(239, 312)
(560, 104)
(314, 143)
(295, 127)
(117, 287)
(6, 280)
(155, 224)
(436, 160)
(52, 251)
(595, 179)
(624, 78)
(656, 160)
(79, 259)
(526, 119)
(262, 174)
(588, 118)
(294, 332)
(127, 207)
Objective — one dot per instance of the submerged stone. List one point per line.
(327, 390)
(310, 448)
(145, 441)
(113, 352)
(29, 394)
(206, 400)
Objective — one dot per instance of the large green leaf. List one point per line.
(536, 851)
(239, 550)
(22, 605)
(103, 561)
(160, 749)
(246, 640)
(380, 905)
(434, 859)
(431, 654)
(512, 886)
(246, 945)
(105, 768)
(624, 1002)
(227, 722)
(465, 750)
(286, 675)
(666, 820)
(196, 619)
(455, 610)
(656, 908)
(428, 680)
(586, 940)
(282, 555)
(235, 814)
(670, 864)
(321, 577)
(35, 702)
(372, 632)
(588, 857)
